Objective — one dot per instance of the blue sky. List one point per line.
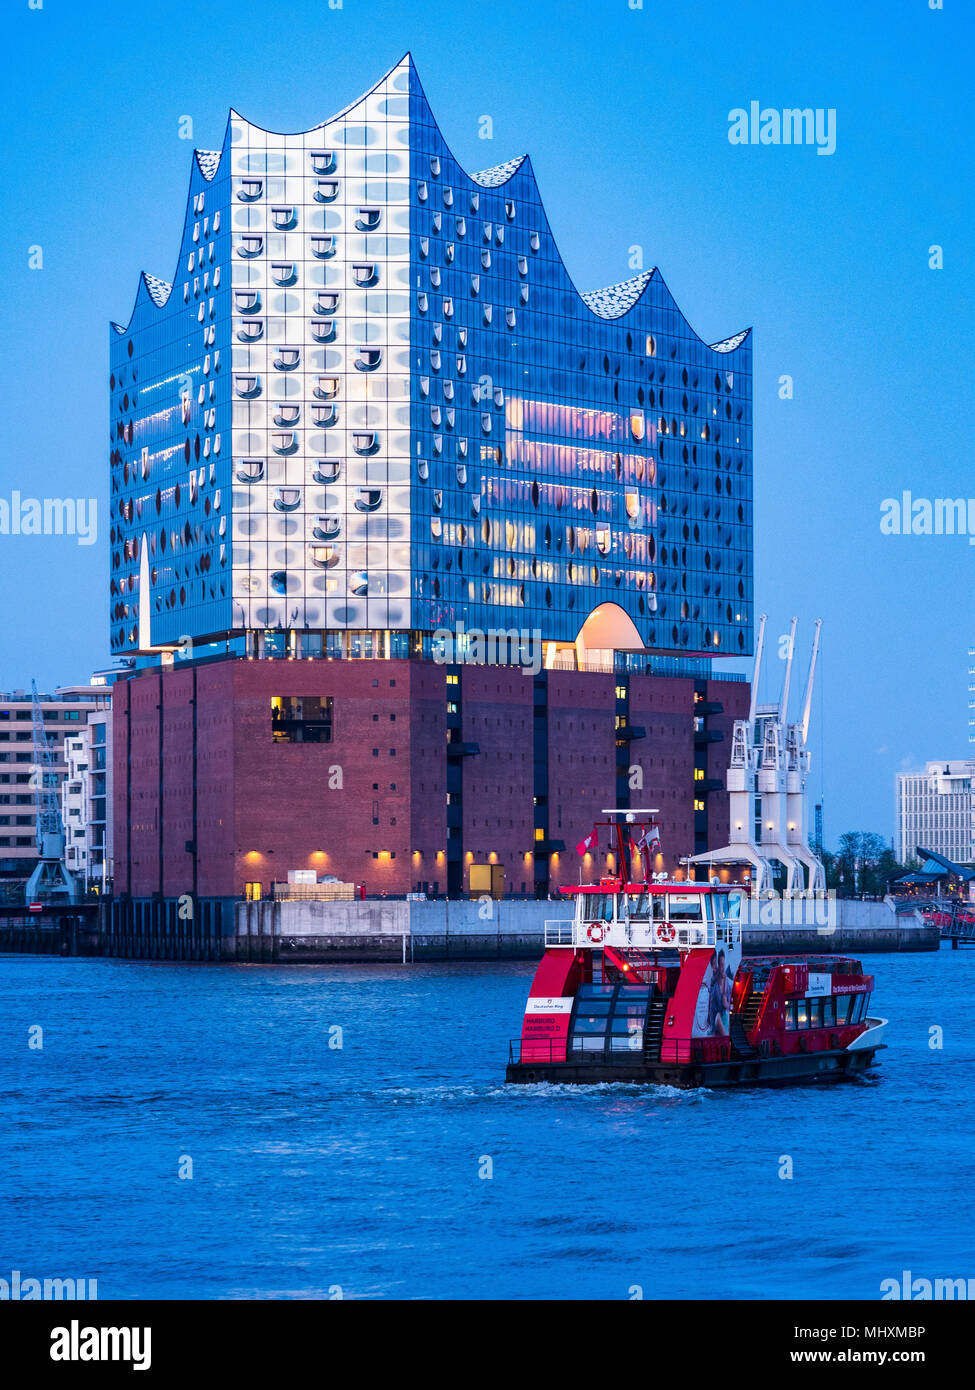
(625, 114)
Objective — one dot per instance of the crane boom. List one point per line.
(807, 700)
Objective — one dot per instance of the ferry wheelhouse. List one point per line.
(647, 983)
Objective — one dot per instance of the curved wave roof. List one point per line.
(611, 302)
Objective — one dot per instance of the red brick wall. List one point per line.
(581, 762)
(498, 782)
(734, 696)
(664, 707)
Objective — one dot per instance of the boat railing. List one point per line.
(635, 933)
(559, 931)
(543, 1051)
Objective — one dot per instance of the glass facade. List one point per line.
(373, 402)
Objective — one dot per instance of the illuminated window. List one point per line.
(301, 718)
(253, 892)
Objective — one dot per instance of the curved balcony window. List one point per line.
(434, 360)
(421, 191)
(499, 236)
(323, 330)
(327, 470)
(322, 247)
(422, 470)
(486, 260)
(523, 294)
(250, 244)
(326, 190)
(365, 441)
(285, 218)
(368, 219)
(327, 302)
(326, 557)
(510, 317)
(437, 221)
(288, 499)
(247, 301)
(359, 584)
(498, 397)
(369, 499)
(438, 332)
(449, 251)
(438, 499)
(325, 415)
(327, 529)
(435, 165)
(462, 475)
(287, 359)
(448, 390)
(438, 445)
(436, 415)
(368, 359)
(284, 273)
(365, 274)
(475, 506)
(285, 442)
(488, 313)
(461, 226)
(251, 331)
(323, 161)
(424, 386)
(247, 387)
(436, 528)
(486, 424)
(509, 210)
(327, 387)
(462, 448)
(486, 230)
(422, 302)
(534, 241)
(435, 276)
(461, 365)
(448, 197)
(522, 265)
(287, 415)
(448, 308)
(279, 580)
(424, 247)
(250, 190)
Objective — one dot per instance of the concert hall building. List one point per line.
(420, 556)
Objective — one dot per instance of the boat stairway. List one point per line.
(654, 1028)
(741, 1024)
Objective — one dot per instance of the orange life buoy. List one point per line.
(596, 932)
(666, 932)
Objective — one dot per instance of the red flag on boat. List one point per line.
(649, 839)
(590, 842)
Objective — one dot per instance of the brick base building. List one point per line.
(402, 774)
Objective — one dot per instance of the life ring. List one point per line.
(666, 932)
(596, 932)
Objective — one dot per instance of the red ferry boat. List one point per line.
(646, 983)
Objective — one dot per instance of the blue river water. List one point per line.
(318, 1168)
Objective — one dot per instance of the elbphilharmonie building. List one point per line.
(370, 417)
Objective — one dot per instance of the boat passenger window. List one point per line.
(829, 1012)
(599, 907)
(640, 905)
(859, 1008)
(815, 1013)
(685, 907)
(790, 1016)
(802, 1013)
(843, 1008)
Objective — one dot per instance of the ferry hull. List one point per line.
(744, 1071)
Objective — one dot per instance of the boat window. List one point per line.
(829, 1012)
(802, 1013)
(640, 905)
(684, 907)
(815, 1013)
(859, 1008)
(599, 907)
(843, 1002)
(790, 1016)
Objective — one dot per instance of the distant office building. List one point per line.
(370, 421)
(936, 811)
(65, 715)
(87, 806)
